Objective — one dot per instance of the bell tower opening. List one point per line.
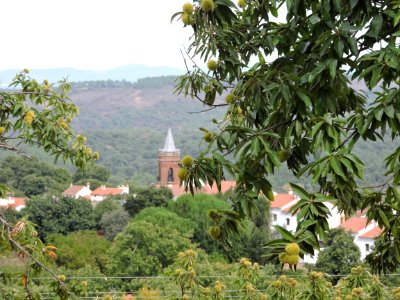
(168, 162)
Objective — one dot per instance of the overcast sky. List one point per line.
(90, 34)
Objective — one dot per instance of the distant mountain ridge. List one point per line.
(129, 73)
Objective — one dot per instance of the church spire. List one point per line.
(169, 143)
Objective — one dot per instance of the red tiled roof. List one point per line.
(106, 191)
(225, 186)
(177, 190)
(373, 233)
(180, 190)
(73, 190)
(18, 201)
(286, 210)
(281, 200)
(354, 224)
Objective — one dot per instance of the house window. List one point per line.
(367, 247)
(287, 221)
(275, 216)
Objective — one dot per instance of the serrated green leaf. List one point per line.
(336, 166)
(302, 193)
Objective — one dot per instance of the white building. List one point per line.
(77, 191)
(16, 203)
(363, 233)
(280, 214)
(103, 192)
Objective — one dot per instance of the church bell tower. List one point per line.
(168, 162)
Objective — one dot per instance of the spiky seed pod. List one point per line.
(212, 65)
(208, 136)
(218, 286)
(292, 282)
(108, 297)
(338, 298)
(96, 155)
(2, 130)
(316, 275)
(30, 113)
(63, 124)
(357, 270)
(276, 283)
(84, 283)
(187, 161)
(239, 110)
(214, 232)
(185, 19)
(292, 259)
(187, 8)
(28, 120)
(242, 3)
(179, 271)
(283, 257)
(230, 98)
(292, 248)
(282, 278)
(349, 297)
(183, 174)
(207, 5)
(88, 152)
(250, 288)
(185, 297)
(357, 291)
(214, 215)
(62, 277)
(191, 253)
(26, 71)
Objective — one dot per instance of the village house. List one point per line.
(103, 192)
(77, 191)
(99, 194)
(12, 202)
(363, 233)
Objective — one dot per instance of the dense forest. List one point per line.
(127, 123)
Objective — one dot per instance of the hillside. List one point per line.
(127, 123)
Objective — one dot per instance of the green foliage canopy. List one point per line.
(63, 215)
(340, 253)
(33, 177)
(96, 172)
(80, 249)
(113, 222)
(107, 205)
(295, 105)
(144, 248)
(195, 208)
(40, 114)
(142, 198)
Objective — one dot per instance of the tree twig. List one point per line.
(14, 149)
(17, 245)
